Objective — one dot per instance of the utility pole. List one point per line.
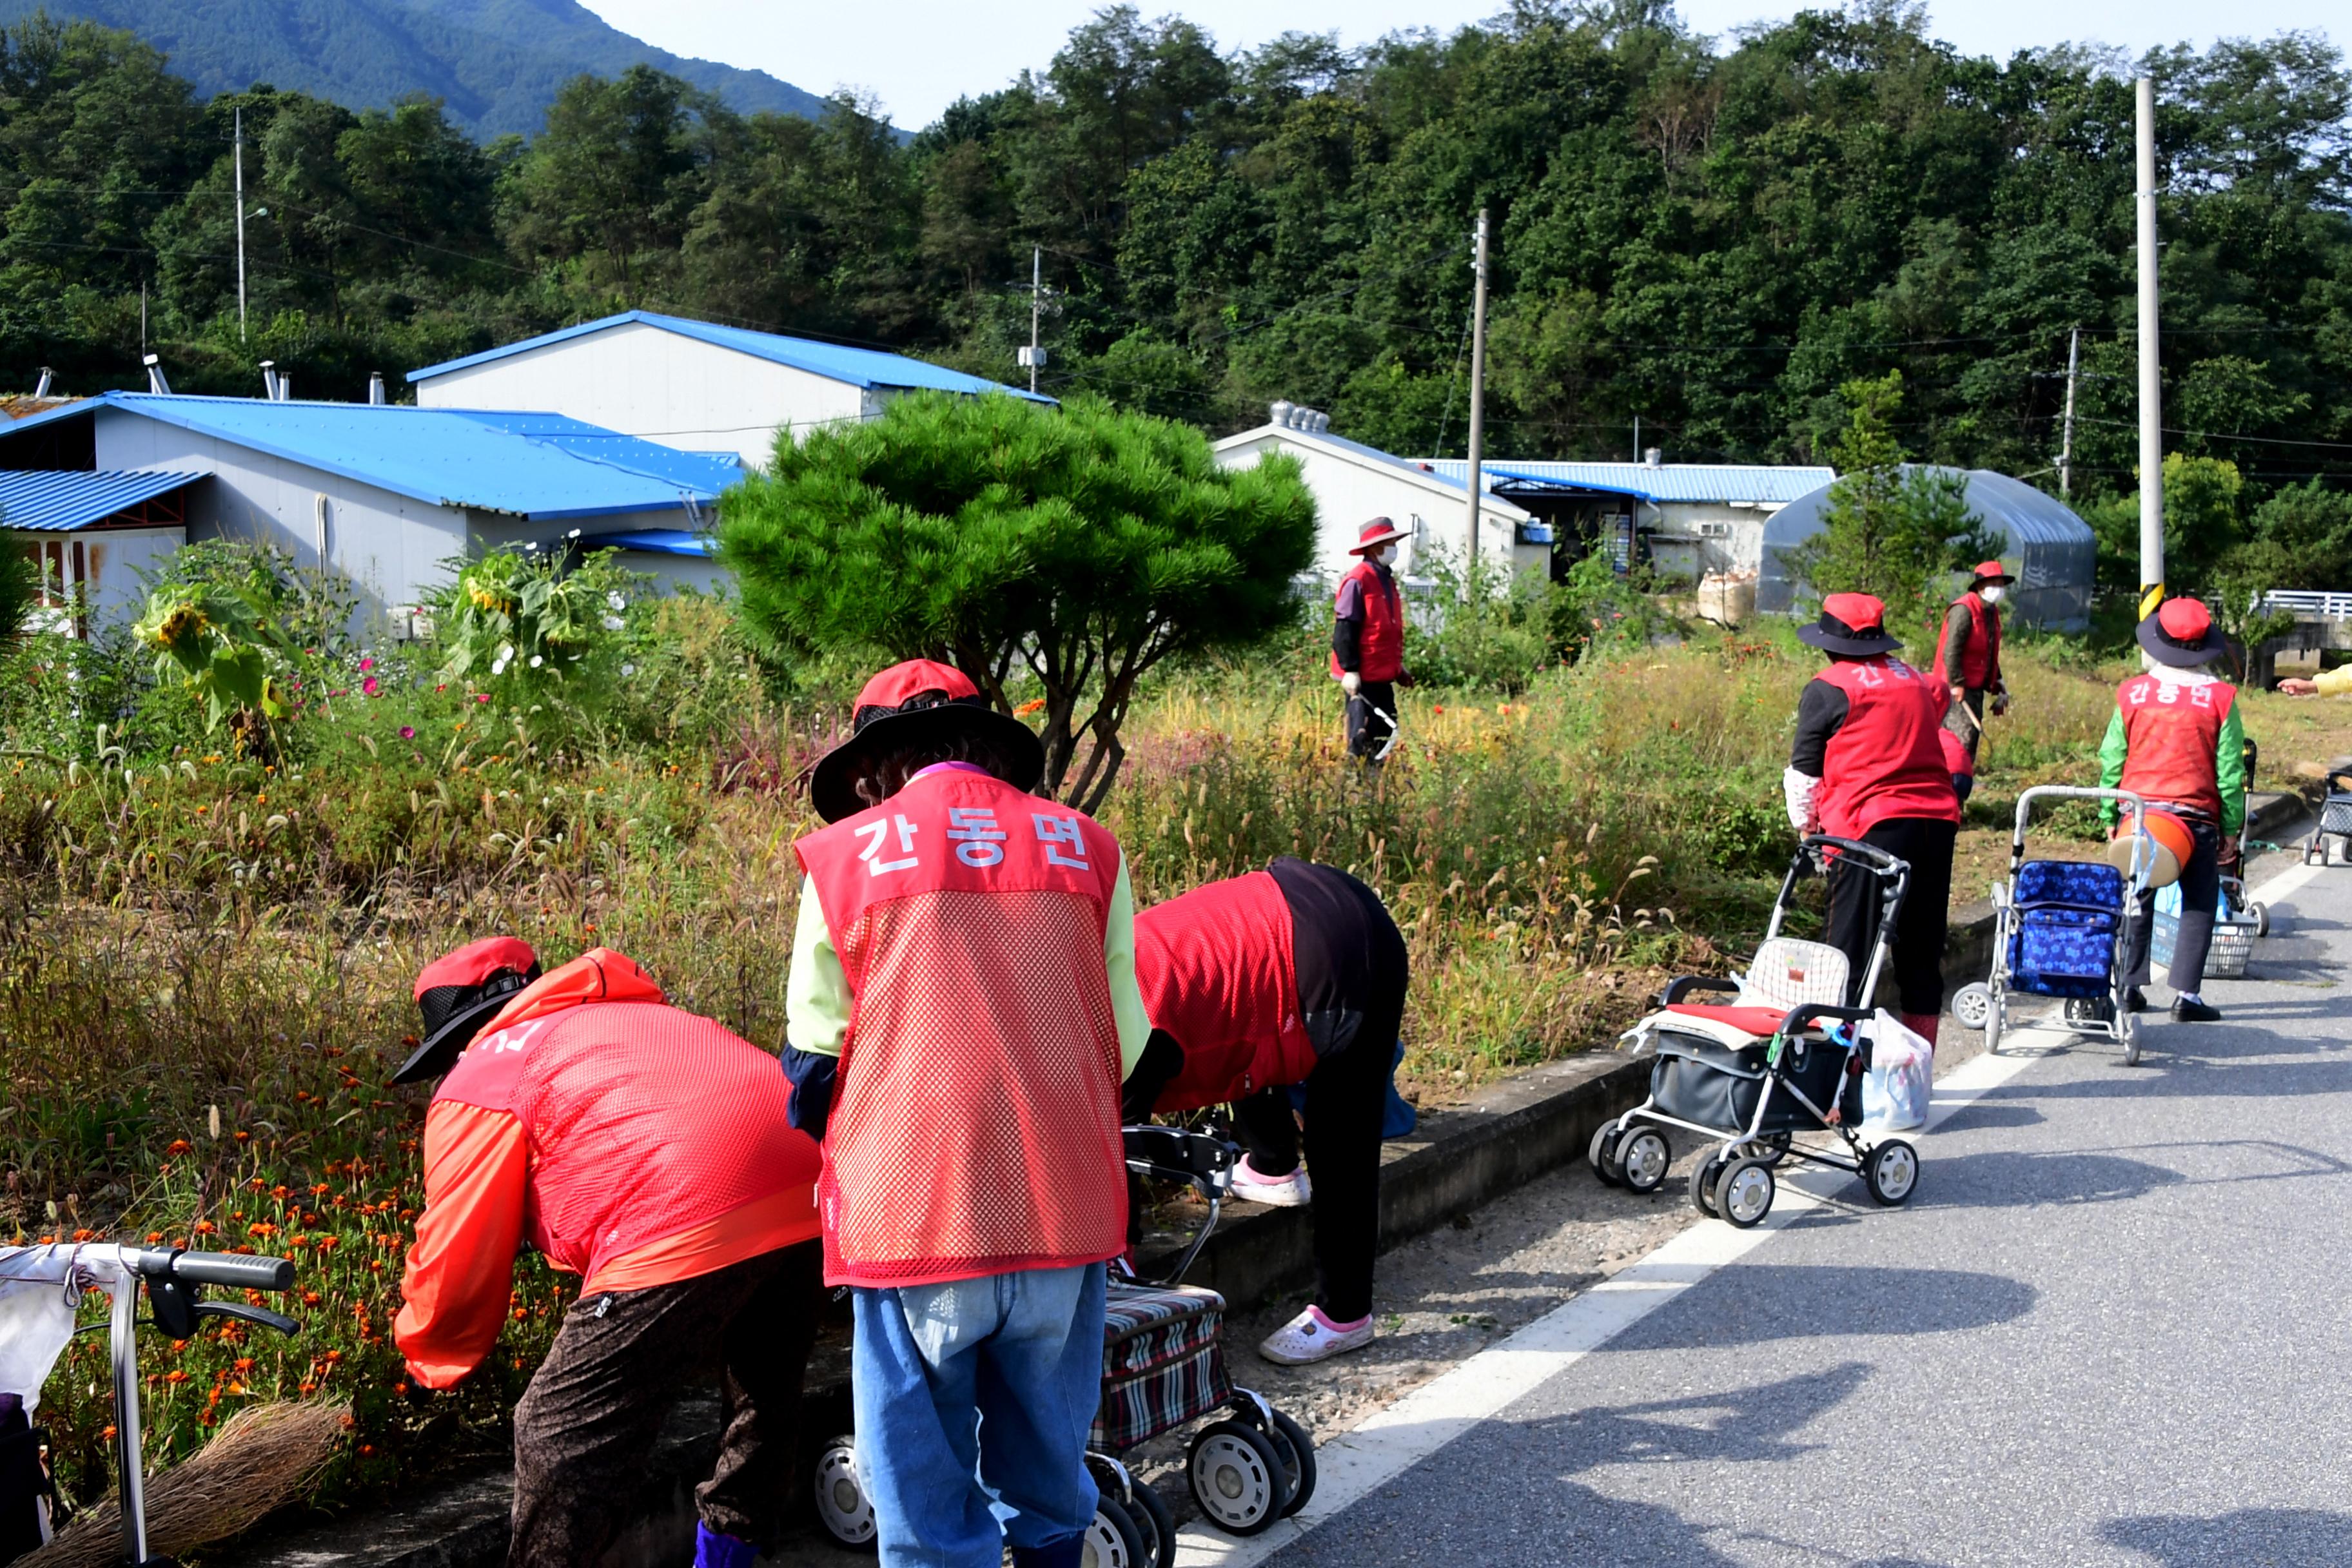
(2066, 446)
(1034, 354)
(2151, 378)
(1477, 386)
(240, 222)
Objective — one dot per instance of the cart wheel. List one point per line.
(1890, 1173)
(1703, 1177)
(1972, 1004)
(1112, 1540)
(1996, 1019)
(1602, 1155)
(1643, 1157)
(842, 1505)
(1237, 1478)
(2261, 914)
(2131, 1039)
(1295, 1449)
(1154, 1524)
(1744, 1191)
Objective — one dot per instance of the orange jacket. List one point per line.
(631, 1142)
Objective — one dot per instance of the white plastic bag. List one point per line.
(1902, 1075)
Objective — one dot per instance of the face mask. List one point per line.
(1993, 595)
(1384, 555)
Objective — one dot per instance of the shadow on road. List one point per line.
(2015, 1179)
(1981, 1115)
(2271, 1537)
(1781, 1302)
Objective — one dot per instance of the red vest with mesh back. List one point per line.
(1219, 976)
(643, 1120)
(1981, 660)
(975, 1128)
(1381, 656)
(2173, 733)
(1885, 762)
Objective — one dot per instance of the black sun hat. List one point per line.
(2181, 634)
(919, 699)
(461, 992)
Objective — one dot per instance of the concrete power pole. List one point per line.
(2151, 379)
(1477, 386)
(240, 224)
(1035, 355)
(2067, 444)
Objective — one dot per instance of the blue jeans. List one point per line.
(973, 1403)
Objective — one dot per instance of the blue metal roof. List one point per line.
(1683, 482)
(836, 362)
(526, 465)
(653, 541)
(59, 502)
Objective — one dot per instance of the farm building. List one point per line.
(1694, 521)
(384, 494)
(694, 385)
(1354, 483)
(2052, 551)
(91, 534)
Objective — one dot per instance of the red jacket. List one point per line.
(1219, 978)
(629, 1142)
(1981, 660)
(1381, 656)
(2173, 732)
(1885, 760)
(975, 1123)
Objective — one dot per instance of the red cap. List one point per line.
(1860, 612)
(476, 961)
(902, 683)
(2184, 620)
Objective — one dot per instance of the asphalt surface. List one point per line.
(2111, 1328)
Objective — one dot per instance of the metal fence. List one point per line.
(2310, 605)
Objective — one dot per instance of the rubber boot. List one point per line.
(713, 1550)
(1922, 1025)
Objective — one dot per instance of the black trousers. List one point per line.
(1368, 732)
(2200, 897)
(1918, 955)
(585, 1428)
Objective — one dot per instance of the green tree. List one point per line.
(1889, 530)
(1079, 548)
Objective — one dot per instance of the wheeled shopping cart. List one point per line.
(2335, 822)
(2058, 927)
(1163, 1367)
(1783, 1060)
(41, 1290)
(2235, 909)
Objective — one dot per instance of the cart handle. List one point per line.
(1878, 861)
(2142, 849)
(1682, 985)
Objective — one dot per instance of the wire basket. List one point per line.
(2225, 959)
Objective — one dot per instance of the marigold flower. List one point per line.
(176, 1376)
(177, 1147)
(204, 1227)
(1031, 706)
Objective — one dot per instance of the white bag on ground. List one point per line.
(1902, 1075)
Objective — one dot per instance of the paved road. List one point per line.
(2112, 1328)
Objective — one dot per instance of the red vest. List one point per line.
(1380, 657)
(2173, 735)
(1981, 660)
(1218, 974)
(975, 1130)
(1885, 762)
(643, 1120)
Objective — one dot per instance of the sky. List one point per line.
(918, 55)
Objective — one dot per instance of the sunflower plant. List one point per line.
(517, 625)
(220, 640)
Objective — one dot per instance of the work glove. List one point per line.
(1350, 682)
(1405, 679)
(1999, 703)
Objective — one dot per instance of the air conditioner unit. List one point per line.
(1715, 530)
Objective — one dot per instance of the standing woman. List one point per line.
(2175, 740)
(1368, 642)
(1968, 654)
(1295, 974)
(1867, 764)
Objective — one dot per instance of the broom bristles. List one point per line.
(266, 1456)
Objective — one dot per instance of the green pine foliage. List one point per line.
(1066, 552)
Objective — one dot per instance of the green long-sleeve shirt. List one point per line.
(2229, 768)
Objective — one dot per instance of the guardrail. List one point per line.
(2310, 605)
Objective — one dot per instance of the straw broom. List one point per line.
(266, 1456)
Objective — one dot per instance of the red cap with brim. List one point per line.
(920, 699)
(1374, 534)
(458, 993)
(2182, 634)
(1853, 623)
(1989, 572)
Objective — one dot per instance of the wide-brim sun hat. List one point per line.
(1989, 573)
(2181, 634)
(1375, 534)
(461, 992)
(1850, 624)
(917, 701)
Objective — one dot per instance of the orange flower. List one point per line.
(108, 1434)
(85, 1234)
(204, 1228)
(1031, 706)
(308, 1387)
(176, 1376)
(177, 1147)
(155, 1238)
(244, 1365)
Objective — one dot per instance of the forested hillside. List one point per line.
(495, 64)
(1710, 240)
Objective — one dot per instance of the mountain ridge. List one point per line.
(496, 64)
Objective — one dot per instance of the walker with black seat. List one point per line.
(1163, 1366)
(1783, 1060)
(2058, 927)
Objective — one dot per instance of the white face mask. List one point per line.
(1384, 554)
(1993, 595)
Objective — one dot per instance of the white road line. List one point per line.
(2286, 882)
(1353, 1466)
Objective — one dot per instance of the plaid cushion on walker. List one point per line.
(1163, 1362)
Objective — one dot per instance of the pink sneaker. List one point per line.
(1289, 1191)
(1312, 1337)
